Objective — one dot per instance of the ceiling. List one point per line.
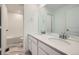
(53, 7)
(15, 8)
(19, 8)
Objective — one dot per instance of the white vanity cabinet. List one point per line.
(37, 47)
(32, 45)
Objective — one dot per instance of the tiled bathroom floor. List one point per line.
(16, 47)
(15, 51)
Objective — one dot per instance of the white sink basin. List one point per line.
(60, 40)
(69, 41)
(55, 39)
(51, 35)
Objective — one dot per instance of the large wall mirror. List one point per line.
(57, 18)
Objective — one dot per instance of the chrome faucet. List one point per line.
(64, 35)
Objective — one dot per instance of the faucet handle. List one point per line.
(67, 30)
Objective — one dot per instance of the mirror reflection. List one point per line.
(59, 18)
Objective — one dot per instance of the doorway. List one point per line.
(15, 29)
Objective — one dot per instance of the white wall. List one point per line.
(30, 21)
(44, 20)
(15, 25)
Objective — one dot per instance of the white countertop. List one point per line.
(69, 47)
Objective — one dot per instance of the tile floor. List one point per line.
(15, 51)
(16, 48)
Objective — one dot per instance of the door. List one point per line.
(30, 44)
(4, 18)
(34, 48)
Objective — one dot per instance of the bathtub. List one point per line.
(14, 41)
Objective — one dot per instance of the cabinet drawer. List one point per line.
(47, 49)
(41, 52)
(33, 39)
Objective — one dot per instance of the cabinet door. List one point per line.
(41, 52)
(34, 48)
(30, 45)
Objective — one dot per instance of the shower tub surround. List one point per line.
(15, 46)
(44, 44)
(16, 41)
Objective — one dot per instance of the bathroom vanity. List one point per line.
(43, 44)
